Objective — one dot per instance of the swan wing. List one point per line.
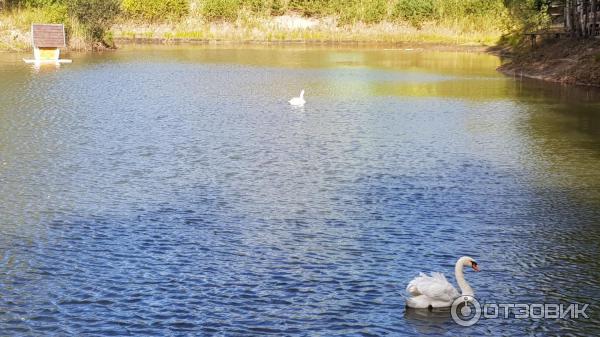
(412, 287)
(435, 287)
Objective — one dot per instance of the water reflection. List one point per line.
(427, 322)
(156, 190)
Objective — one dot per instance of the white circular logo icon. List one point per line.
(465, 310)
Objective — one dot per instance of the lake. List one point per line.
(165, 191)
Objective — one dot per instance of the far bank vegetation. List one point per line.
(98, 22)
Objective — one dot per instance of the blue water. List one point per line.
(173, 191)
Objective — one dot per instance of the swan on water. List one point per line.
(435, 291)
(298, 101)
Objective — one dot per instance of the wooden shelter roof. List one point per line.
(48, 35)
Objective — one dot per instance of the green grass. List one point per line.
(16, 24)
(23, 18)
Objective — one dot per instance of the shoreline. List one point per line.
(519, 73)
(408, 45)
(562, 61)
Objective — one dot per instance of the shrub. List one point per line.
(415, 11)
(527, 15)
(277, 7)
(375, 11)
(96, 16)
(155, 10)
(368, 11)
(313, 7)
(55, 13)
(468, 8)
(39, 3)
(265, 7)
(16, 4)
(256, 6)
(226, 10)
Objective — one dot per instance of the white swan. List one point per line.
(298, 101)
(435, 291)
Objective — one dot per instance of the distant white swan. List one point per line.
(435, 291)
(298, 101)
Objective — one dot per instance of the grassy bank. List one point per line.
(295, 28)
(437, 21)
(480, 22)
(15, 27)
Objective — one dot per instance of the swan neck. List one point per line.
(460, 279)
(302, 94)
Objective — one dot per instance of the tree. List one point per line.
(96, 16)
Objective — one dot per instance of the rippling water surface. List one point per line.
(173, 191)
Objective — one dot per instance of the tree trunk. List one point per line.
(586, 16)
(580, 13)
(594, 19)
(567, 10)
(575, 18)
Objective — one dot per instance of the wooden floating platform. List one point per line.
(29, 61)
(47, 39)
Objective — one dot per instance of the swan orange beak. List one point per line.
(474, 266)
